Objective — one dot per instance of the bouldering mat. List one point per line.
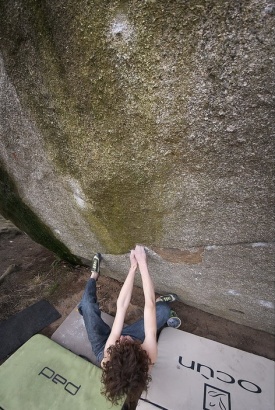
(192, 372)
(42, 375)
(72, 334)
(20, 327)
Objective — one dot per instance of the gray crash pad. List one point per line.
(72, 335)
(195, 373)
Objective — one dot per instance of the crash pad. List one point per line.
(192, 372)
(72, 335)
(42, 375)
(20, 327)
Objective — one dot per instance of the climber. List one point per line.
(126, 354)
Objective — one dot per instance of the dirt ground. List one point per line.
(34, 273)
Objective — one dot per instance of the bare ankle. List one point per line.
(94, 275)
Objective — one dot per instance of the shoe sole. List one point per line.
(175, 298)
(177, 318)
(96, 263)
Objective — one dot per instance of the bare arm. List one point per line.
(150, 322)
(122, 304)
(127, 288)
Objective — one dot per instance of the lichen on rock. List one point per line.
(147, 122)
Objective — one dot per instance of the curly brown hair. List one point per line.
(126, 373)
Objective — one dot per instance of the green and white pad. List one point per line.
(42, 375)
(195, 373)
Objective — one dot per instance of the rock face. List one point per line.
(147, 122)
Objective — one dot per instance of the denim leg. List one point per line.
(98, 331)
(136, 330)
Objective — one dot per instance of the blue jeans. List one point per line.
(98, 331)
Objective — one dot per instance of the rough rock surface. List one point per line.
(147, 122)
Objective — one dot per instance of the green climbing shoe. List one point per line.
(170, 297)
(96, 263)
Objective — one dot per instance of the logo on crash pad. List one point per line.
(216, 399)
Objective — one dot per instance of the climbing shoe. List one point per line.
(96, 263)
(171, 297)
(174, 320)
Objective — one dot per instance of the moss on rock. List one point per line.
(141, 102)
